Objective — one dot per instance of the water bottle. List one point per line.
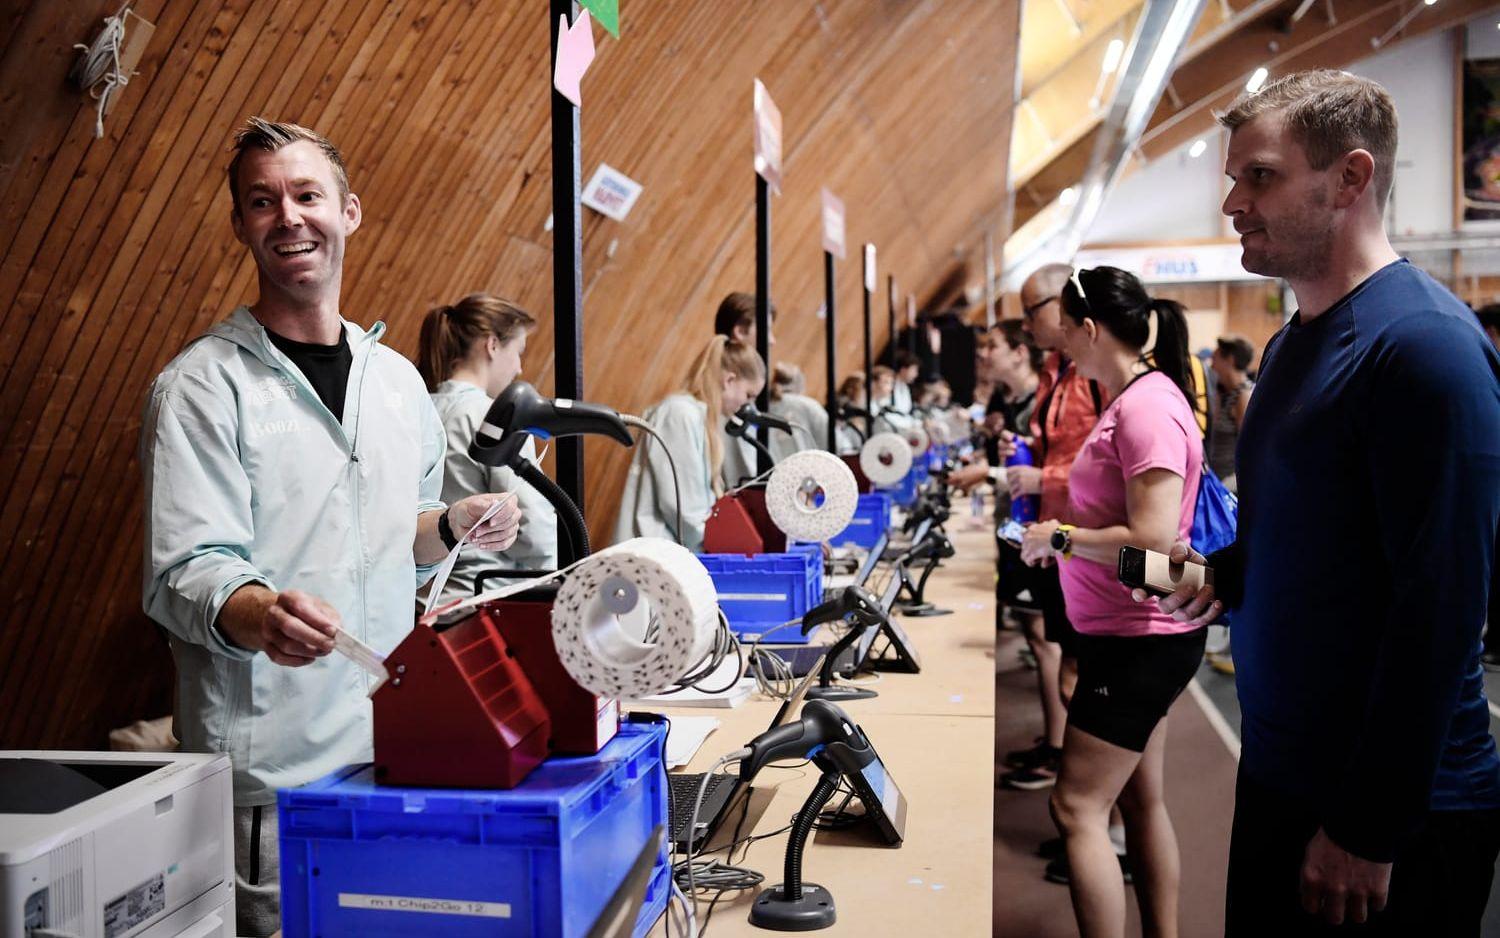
(1026, 508)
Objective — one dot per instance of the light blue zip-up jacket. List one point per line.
(648, 506)
(249, 478)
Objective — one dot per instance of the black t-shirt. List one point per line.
(326, 367)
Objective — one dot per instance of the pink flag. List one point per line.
(575, 51)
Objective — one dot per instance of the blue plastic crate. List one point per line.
(759, 593)
(872, 518)
(539, 861)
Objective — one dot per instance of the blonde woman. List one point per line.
(724, 376)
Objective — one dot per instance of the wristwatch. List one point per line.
(1062, 540)
(445, 531)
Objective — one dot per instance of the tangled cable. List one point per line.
(98, 70)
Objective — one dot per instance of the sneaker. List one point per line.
(1040, 754)
(1035, 779)
(1058, 871)
(1224, 664)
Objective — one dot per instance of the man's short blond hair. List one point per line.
(261, 134)
(1329, 113)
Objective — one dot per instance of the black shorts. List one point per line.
(1047, 588)
(1126, 684)
(1015, 583)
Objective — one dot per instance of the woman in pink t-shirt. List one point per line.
(1134, 482)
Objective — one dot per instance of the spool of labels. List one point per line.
(917, 439)
(885, 458)
(812, 495)
(633, 618)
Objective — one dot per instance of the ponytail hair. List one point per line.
(1155, 327)
(706, 382)
(449, 333)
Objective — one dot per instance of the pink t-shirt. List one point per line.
(1149, 426)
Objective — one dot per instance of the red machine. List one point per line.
(581, 722)
(457, 710)
(860, 479)
(740, 524)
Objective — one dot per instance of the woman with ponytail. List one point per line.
(724, 376)
(1134, 482)
(469, 352)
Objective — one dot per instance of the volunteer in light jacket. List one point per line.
(292, 467)
(809, 418)
(725, 375)
(469, 353)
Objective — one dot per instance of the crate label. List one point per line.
(351, 900)
(755, 597)
(140, 904)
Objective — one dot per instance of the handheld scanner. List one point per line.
(520, 412)
(855, 602)
(821, 724)
(749, 414)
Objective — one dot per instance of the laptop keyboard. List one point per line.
(682, 791)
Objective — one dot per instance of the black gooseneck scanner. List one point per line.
(932, 548)
(859, 607)
(934, 508)
(830, 739)
(520, 412)
(739, 423)
(851, 416)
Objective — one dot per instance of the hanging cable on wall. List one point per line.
(99, 70)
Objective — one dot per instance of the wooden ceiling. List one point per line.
(115, 252)
(1231, 39)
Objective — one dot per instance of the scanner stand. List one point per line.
(794, 905)
(826, 689)
(914, 604)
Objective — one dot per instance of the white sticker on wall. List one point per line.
(611, 192)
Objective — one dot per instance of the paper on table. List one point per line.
(685, 736)
(446, 570)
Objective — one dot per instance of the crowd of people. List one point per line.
(1364, 446)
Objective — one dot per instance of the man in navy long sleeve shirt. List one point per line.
(1369, 483)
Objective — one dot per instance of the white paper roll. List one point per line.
(885, 458)
(607, 603)
(792, 495)
(917, 439)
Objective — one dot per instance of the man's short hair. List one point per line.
(1329, 113)
(1237, 349)
(261, 134)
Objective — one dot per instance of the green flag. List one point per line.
(607, 12)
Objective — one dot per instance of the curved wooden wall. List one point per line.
(114, 252)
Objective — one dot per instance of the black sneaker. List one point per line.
(1043, 776)
(1058, 872)
(1037, 755)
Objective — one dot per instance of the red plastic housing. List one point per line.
(581, 722)
(457, 712)
(740, 524)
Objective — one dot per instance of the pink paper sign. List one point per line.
(833, 224)
(575, 52)
(767, 138)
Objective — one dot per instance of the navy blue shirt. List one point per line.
(1369, 485)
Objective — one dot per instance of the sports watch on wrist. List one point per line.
(445, 531)
(1062, 540)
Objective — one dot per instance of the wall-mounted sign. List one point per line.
(833, 224)
(575, 52)
(611, 192)
(1189, 263)
(767, 138)
(870, 267)
(607, 12)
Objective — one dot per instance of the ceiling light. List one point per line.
(1197, 148)
(1112, 55)
(1257, 80)
(1067, 197)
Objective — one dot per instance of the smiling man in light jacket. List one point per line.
(293, 467)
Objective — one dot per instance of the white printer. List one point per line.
(116, 845)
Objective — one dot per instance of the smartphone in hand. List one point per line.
(1159, 576)
(1011, 532)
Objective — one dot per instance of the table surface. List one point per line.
(935, 733)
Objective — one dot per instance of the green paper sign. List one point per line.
(607, 12)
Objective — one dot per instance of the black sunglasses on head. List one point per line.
(1030, 311)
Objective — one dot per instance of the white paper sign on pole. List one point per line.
(833, 224)
(611, 192)
(870, 267)
(767, 138)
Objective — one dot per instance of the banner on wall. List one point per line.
(1480, 162)
(1191, 263)
(833, 224)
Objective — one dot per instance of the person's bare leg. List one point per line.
(1155, 861)
(1048, 677)
(1092, 775)
(1067, 678)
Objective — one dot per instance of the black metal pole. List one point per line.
(763, 309)
(869, 364)
(890, 300)
(567, 277)
(830, 349)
